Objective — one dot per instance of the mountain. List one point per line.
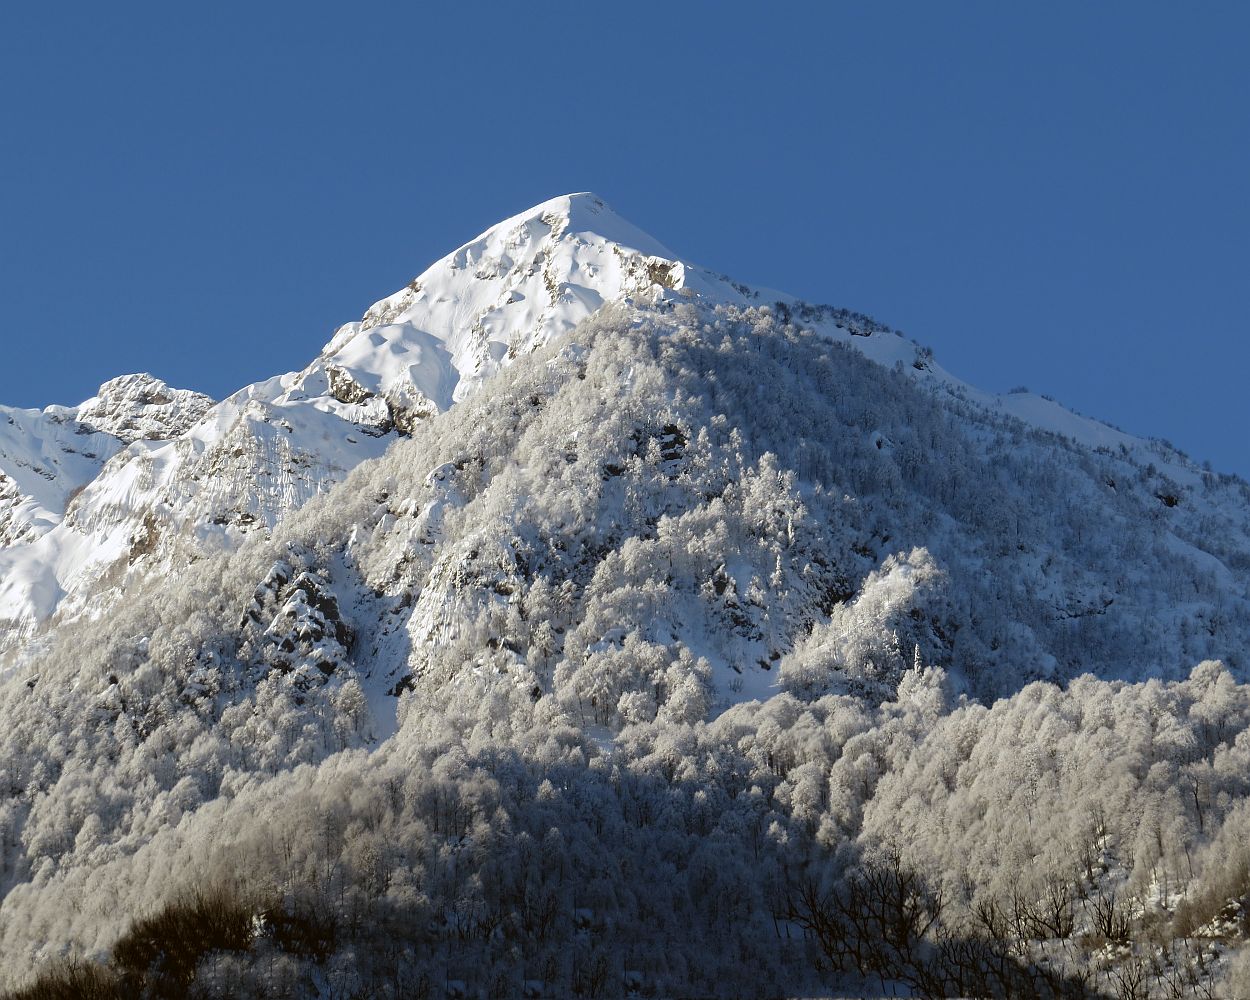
(48, 456)
(209, 475)
(158, 477)
(198, 477)
(572, 536)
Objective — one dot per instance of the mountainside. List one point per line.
(47, 457)
(566, 528)
(194, 478)
(267, 449)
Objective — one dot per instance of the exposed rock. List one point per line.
(143, 408)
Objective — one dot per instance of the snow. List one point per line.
(248, 461)
(45, 458)
(172, 467)
(142, 407)
(517, 285)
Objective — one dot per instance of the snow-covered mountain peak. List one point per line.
(587, 213)
(525, 280)
(47, 457)
(96, 495)
(171, 467)
(141, 407)
(582, 217)
(717, 555)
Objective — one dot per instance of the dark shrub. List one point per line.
(306, 930)
(72, 981)
(159, 953)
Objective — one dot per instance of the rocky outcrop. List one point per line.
(143, 408)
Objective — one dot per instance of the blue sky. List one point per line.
(1048, 195)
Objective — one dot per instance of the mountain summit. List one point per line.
(520, 283)
(94, 497)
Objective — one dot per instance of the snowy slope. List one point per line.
(521, 283)
(48, 456)
(45, 457)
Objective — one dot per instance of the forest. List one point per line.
(696, 655)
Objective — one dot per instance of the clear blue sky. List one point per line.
(1050, 195)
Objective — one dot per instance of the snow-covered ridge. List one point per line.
(521, 283)
(111, 488)
(143, 408)
(45, 457)
(172, 468)
(48, 456)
